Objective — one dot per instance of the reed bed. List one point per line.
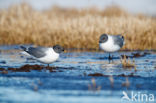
(75, 28)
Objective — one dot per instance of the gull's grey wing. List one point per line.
(118, 40)
(37, 52)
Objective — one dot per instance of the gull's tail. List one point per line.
(123, 39)
(23, 48)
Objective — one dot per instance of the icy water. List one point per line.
(78, 77)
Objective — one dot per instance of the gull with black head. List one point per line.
(45, 55)
(111, 43)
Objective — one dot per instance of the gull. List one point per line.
(45, 55)
(111, 43)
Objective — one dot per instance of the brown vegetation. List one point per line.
(93, 86)
(73, 28)
(127, 63)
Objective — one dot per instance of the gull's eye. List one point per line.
(104, 38)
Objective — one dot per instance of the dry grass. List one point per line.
(127, 63)
(126, 83)
(74, 28)
(93, 86)
(111, 79)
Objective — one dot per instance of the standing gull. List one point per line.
(111, 43)
(45, 55)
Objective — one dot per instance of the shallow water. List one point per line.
(79, 77)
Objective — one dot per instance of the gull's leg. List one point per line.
(47, 67)
(109, 58)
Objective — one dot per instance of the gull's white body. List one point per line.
(50, 57)
(109, 45)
